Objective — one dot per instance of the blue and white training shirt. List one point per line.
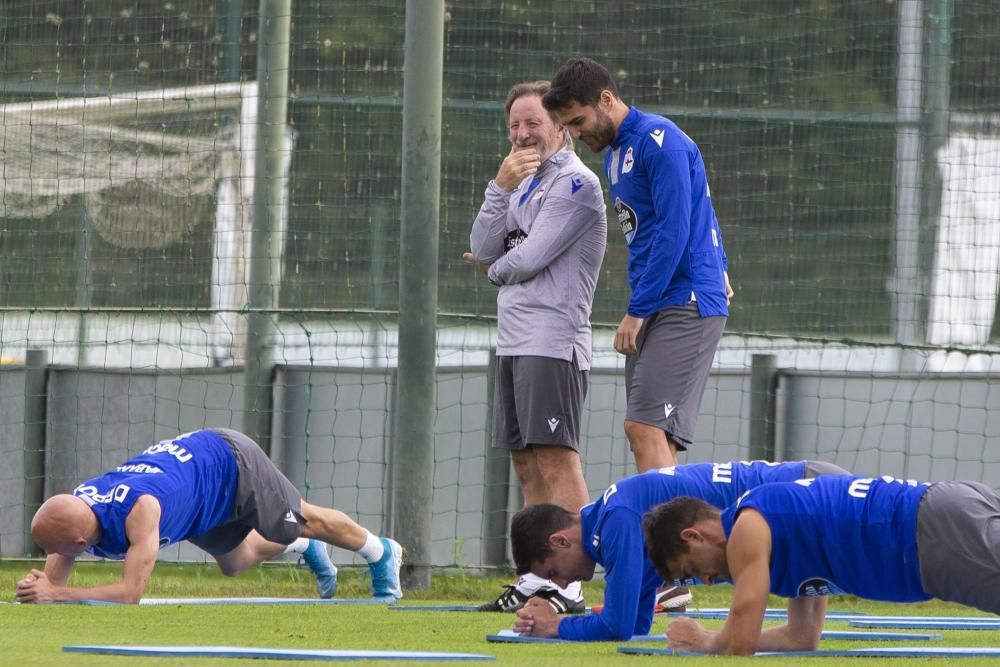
(612, 536)
(194, 478)
(660, 193)
(836, 535)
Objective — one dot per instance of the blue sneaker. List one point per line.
(385, 573)
(319, 562)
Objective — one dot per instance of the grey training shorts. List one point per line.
(537, 401)
(820, 468)
(265, 501)
(958, 544)
(665, 380)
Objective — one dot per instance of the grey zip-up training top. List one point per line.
(546, 242)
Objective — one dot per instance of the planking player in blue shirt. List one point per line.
(564, 546)
(215, 488)
(878, 538)
(677, 267)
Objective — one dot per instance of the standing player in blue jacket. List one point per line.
(677, 267)
(215, 488)
(878, 538)
(564, 546)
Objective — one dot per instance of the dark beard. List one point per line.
(603, 135)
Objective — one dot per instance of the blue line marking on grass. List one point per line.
(273, 653)
(242, 601)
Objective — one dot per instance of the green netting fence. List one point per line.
(853, 150)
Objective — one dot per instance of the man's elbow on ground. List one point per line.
(620, 634)
(132, 596)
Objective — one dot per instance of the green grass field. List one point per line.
(34, 635)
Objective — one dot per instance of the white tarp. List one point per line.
(963, 291)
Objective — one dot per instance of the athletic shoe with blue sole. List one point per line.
(319, 562)
(385, 572)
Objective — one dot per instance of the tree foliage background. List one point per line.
(791, 101)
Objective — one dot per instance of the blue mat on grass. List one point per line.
(923, 623)
(769, 614)
(433, 607)
(272, 653)
(874, 652)
(245, 601)
(853, 635)
(441, 607)
(509, 637)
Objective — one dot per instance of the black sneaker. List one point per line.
(510, 600)
(561, 603)
(672, 599)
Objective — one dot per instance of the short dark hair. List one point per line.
(530, 530)
(662, 526)
(581, 80)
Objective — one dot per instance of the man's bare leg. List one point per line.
(251, 551)
(650, 446)
(562, 476)
(653, 449)
(547, 474)
(333, 527)
(323, 526)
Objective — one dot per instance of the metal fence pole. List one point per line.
(423, 55)
(763, 404)
(265, 241)
(36, 370)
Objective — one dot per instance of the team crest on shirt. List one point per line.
(628, 162)
(627, 219)
(812, 588)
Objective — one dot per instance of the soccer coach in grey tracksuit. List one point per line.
(540, 235)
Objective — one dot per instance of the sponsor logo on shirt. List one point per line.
(89, 494)
(575, 184)
(722, 473)
(627, 219)
(513, 239)
(628, 162)
(817, 587)
(859, 488)
(657, 136)
(171, 448)
(140, 468)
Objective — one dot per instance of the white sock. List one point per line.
(529, 583)
(373, 549)
(299, 546)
